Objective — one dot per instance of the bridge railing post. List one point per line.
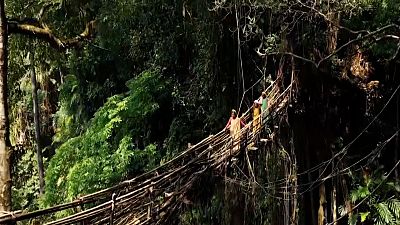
(150, 206)
(112, 208)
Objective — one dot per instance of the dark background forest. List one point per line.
(156, 75)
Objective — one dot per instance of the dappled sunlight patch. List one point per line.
(360, 67)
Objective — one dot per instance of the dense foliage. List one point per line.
(105, 152)
(378, 199)
(160, 74)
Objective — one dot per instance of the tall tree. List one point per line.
(36, 121)
(5, 167)
(35, 29)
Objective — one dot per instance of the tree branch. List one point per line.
(370, 34)
(317, 64)
(36, 30)
(336, 24)
(389, 36)
(290, 54)
(394, 56)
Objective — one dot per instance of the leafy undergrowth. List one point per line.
(105, 153)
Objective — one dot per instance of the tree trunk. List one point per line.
(334, 205)
(396, 149)
(294, 219)
(5, 166)
(322, 201)
(312, 203)
(36, 119)
(334, 18)
(286, 202)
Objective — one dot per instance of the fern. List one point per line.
(379, 221)
(358, 194)
(394, 206)
(384, 213)
(380, 206)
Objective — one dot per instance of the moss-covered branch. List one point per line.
(38, 30)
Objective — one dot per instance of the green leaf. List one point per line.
(364, 216)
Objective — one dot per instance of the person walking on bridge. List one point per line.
(264, 107)
(264, 103)
(234, 124)
(256, 118)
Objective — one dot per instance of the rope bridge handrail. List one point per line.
(155, 195)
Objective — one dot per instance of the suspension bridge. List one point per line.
(155, 197)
